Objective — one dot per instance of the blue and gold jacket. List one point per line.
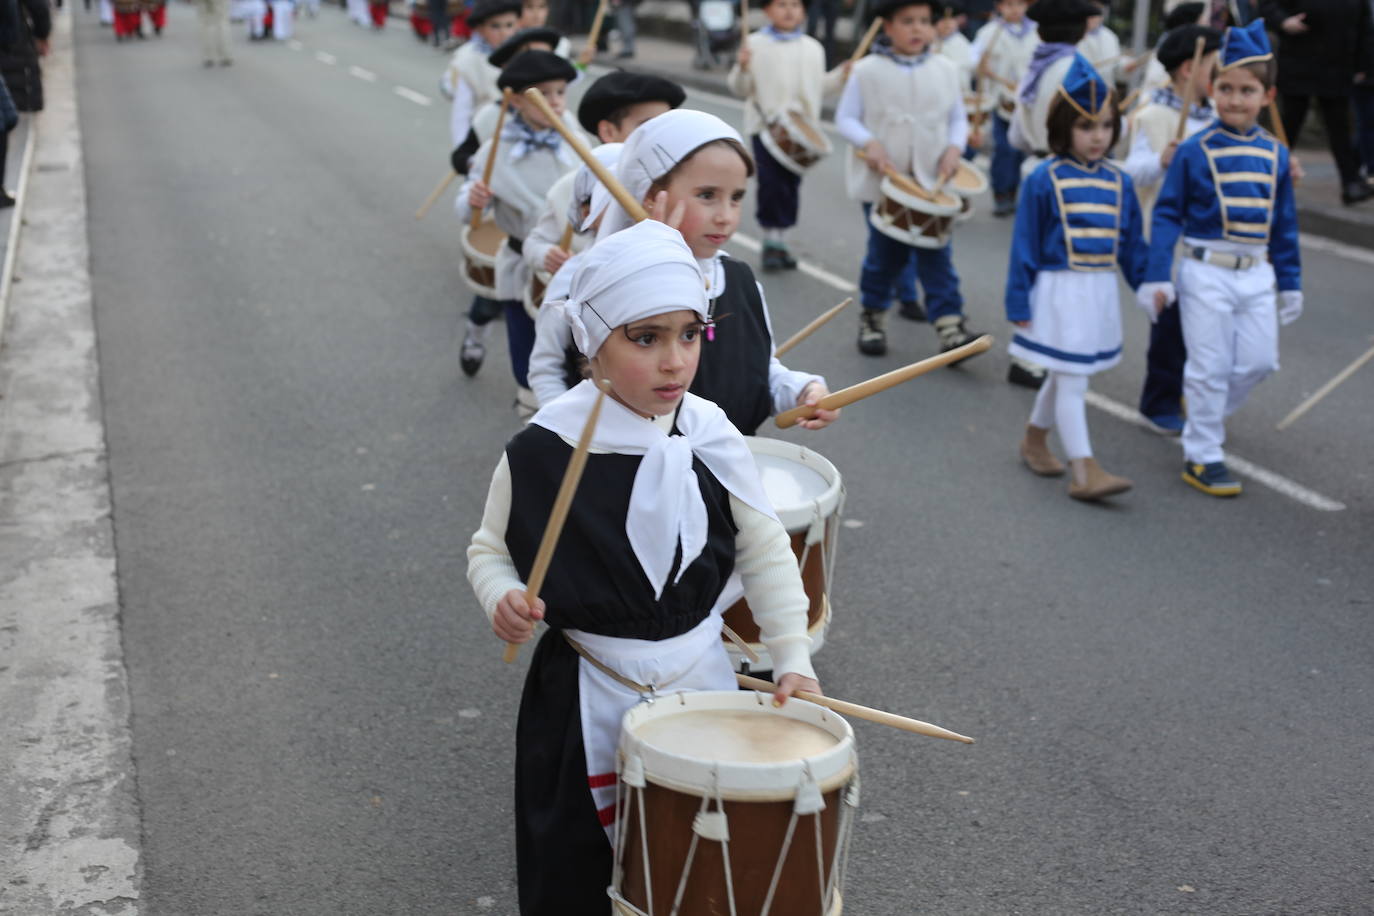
(1233, 186)
(1073, 216)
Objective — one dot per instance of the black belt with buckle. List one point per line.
(516, 245)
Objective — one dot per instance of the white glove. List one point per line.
(1290, 306)
(1145, 297)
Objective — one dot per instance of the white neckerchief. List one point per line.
(666, 507)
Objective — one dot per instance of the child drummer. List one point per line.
(780, 69)
(1229, 194)
(669, 504)
(903, 109)
(1001, 53)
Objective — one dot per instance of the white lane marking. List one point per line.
(1274, 481)
(1340, 249)
(325, 57)
(419, 98)
(362, 74)
(806, 267)
(294, 45)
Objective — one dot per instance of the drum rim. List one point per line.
(735, 780)
(889, 188)
(978, 172)
(906, 237)
(476, 254)
(796, 518)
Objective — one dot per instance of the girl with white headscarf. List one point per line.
(669, 505)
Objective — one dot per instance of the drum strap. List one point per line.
(643, 689)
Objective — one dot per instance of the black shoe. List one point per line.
(912, 311)
(1027, 375)
(1003, 204)
(1356, 191)
(625, 55)
(474, 350)
(872, 333)
(953, 334)
(772, 259)
(6, 201)
(785, 258)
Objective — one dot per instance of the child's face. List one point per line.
(1094, 22)
(650, 363)
(634, 116)
(910, 30)
(1092, 138)
(555, 92)
(498, 28)
(533, 14)
(785, 15)
(1239, 97)
(947, 26)
(1012, 11)
(711, 185)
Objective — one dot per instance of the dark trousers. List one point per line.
(1336, 116)
(438, 18)
(888, 261)
(1363, 97)
(1162, 394)
(779, 190)
(519, 340)
(1006, 159)
(483, 310)
(827, 10)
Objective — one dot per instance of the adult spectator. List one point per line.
(1324, 50)
(19, 57)
(9, 115)
(214, 31)
(827, 11)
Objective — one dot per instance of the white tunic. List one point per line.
(471, 81)
(1149, 130)
(1029, 128)
(1103, 50)
(958, 49)
(784, 75)
(1007, 59)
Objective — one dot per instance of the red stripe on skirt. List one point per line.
(606, 815)
(601, 780)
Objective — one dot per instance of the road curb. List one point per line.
(16, 225)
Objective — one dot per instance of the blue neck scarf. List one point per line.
(1045, 54)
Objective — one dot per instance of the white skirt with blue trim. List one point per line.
(1075, 322)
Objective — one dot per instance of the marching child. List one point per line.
(780, 70)
(1153, 127)
(668, 506)
(903, 109)
(691, 168)
(470, 79)
(1229, 193)
(952, 43)
(1061, 25)
(1077, 223)
(531, 157)
(1100, 45)
(1002, 51)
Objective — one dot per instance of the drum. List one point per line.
(807, 493)
(794, 141)
(967, 183)
(479, 256)
(912, 215)
(731, 806)
(534, 292)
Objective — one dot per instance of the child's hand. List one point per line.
(1154, 297)
(848, 68)
(1295, 170)
(1290, 306)
(811, 395)
(1021, 324)
(1295, 25)
(975, 138)
(742, 58)
(479, 195)
(1161, 301)
(1167, 155)
(514, 618)
(659, 211)
(949, 163)
(588, 53)
(876, 156)
(790, 684)
(555, 259)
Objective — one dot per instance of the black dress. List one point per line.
(734, 365)
(594, 584)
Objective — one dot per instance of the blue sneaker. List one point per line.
(1213, 479)
(1166, 424)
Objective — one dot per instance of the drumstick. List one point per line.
(559, 514)
(491, 153)
(1277, 123)
(983, 76)
(603, 175)
(434, 195)
(565, 240)
(862, 47)
(847, 396)
(590, 50)
(1126, 103)
(815, 323)
(740, 644)
(866, 713)
(1189, 89)
(743, 22)
(1326, 389)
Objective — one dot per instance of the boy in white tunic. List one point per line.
(470, 79)
(903, 110)
(780, 70)
(1061, 24)
(1100, 45)
(1002, 51)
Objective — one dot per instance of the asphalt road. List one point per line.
(1171, 694)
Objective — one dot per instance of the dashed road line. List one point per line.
(325, 57)
(1271, 479)
(362, 73)
(806, 267)
(1340, 249)
(294, 45)
(419, 98)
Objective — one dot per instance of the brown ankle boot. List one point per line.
(1035, 452)
(1090, 482)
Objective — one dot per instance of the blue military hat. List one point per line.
(1084, 88)
(1241, 46)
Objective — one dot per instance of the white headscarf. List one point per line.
(644, 271)
(652, 151)
(585, 184)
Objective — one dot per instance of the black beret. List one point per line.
(952, 7)
(483, 10)
(620, 88)
(1183, 14)
(1178, 44)
(511, 46)
(1061, 12)
(529, 68)
(889, 8)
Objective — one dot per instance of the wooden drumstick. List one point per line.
(1277, 123)
(740, 644)
(1326, 389)
(565, 240)
(815, 323)
(561, 503)
(1126, 103)
(603, 175)
(434, 195)
(743, 22)
(589, 51)
(1190, 89)
(491, 153)
(847, 396)
(983, 75)
(862, 47)
(867, 713)
(904, 181)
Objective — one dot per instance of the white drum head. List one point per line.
(801, 484)
(912, 196)
(969, 181)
